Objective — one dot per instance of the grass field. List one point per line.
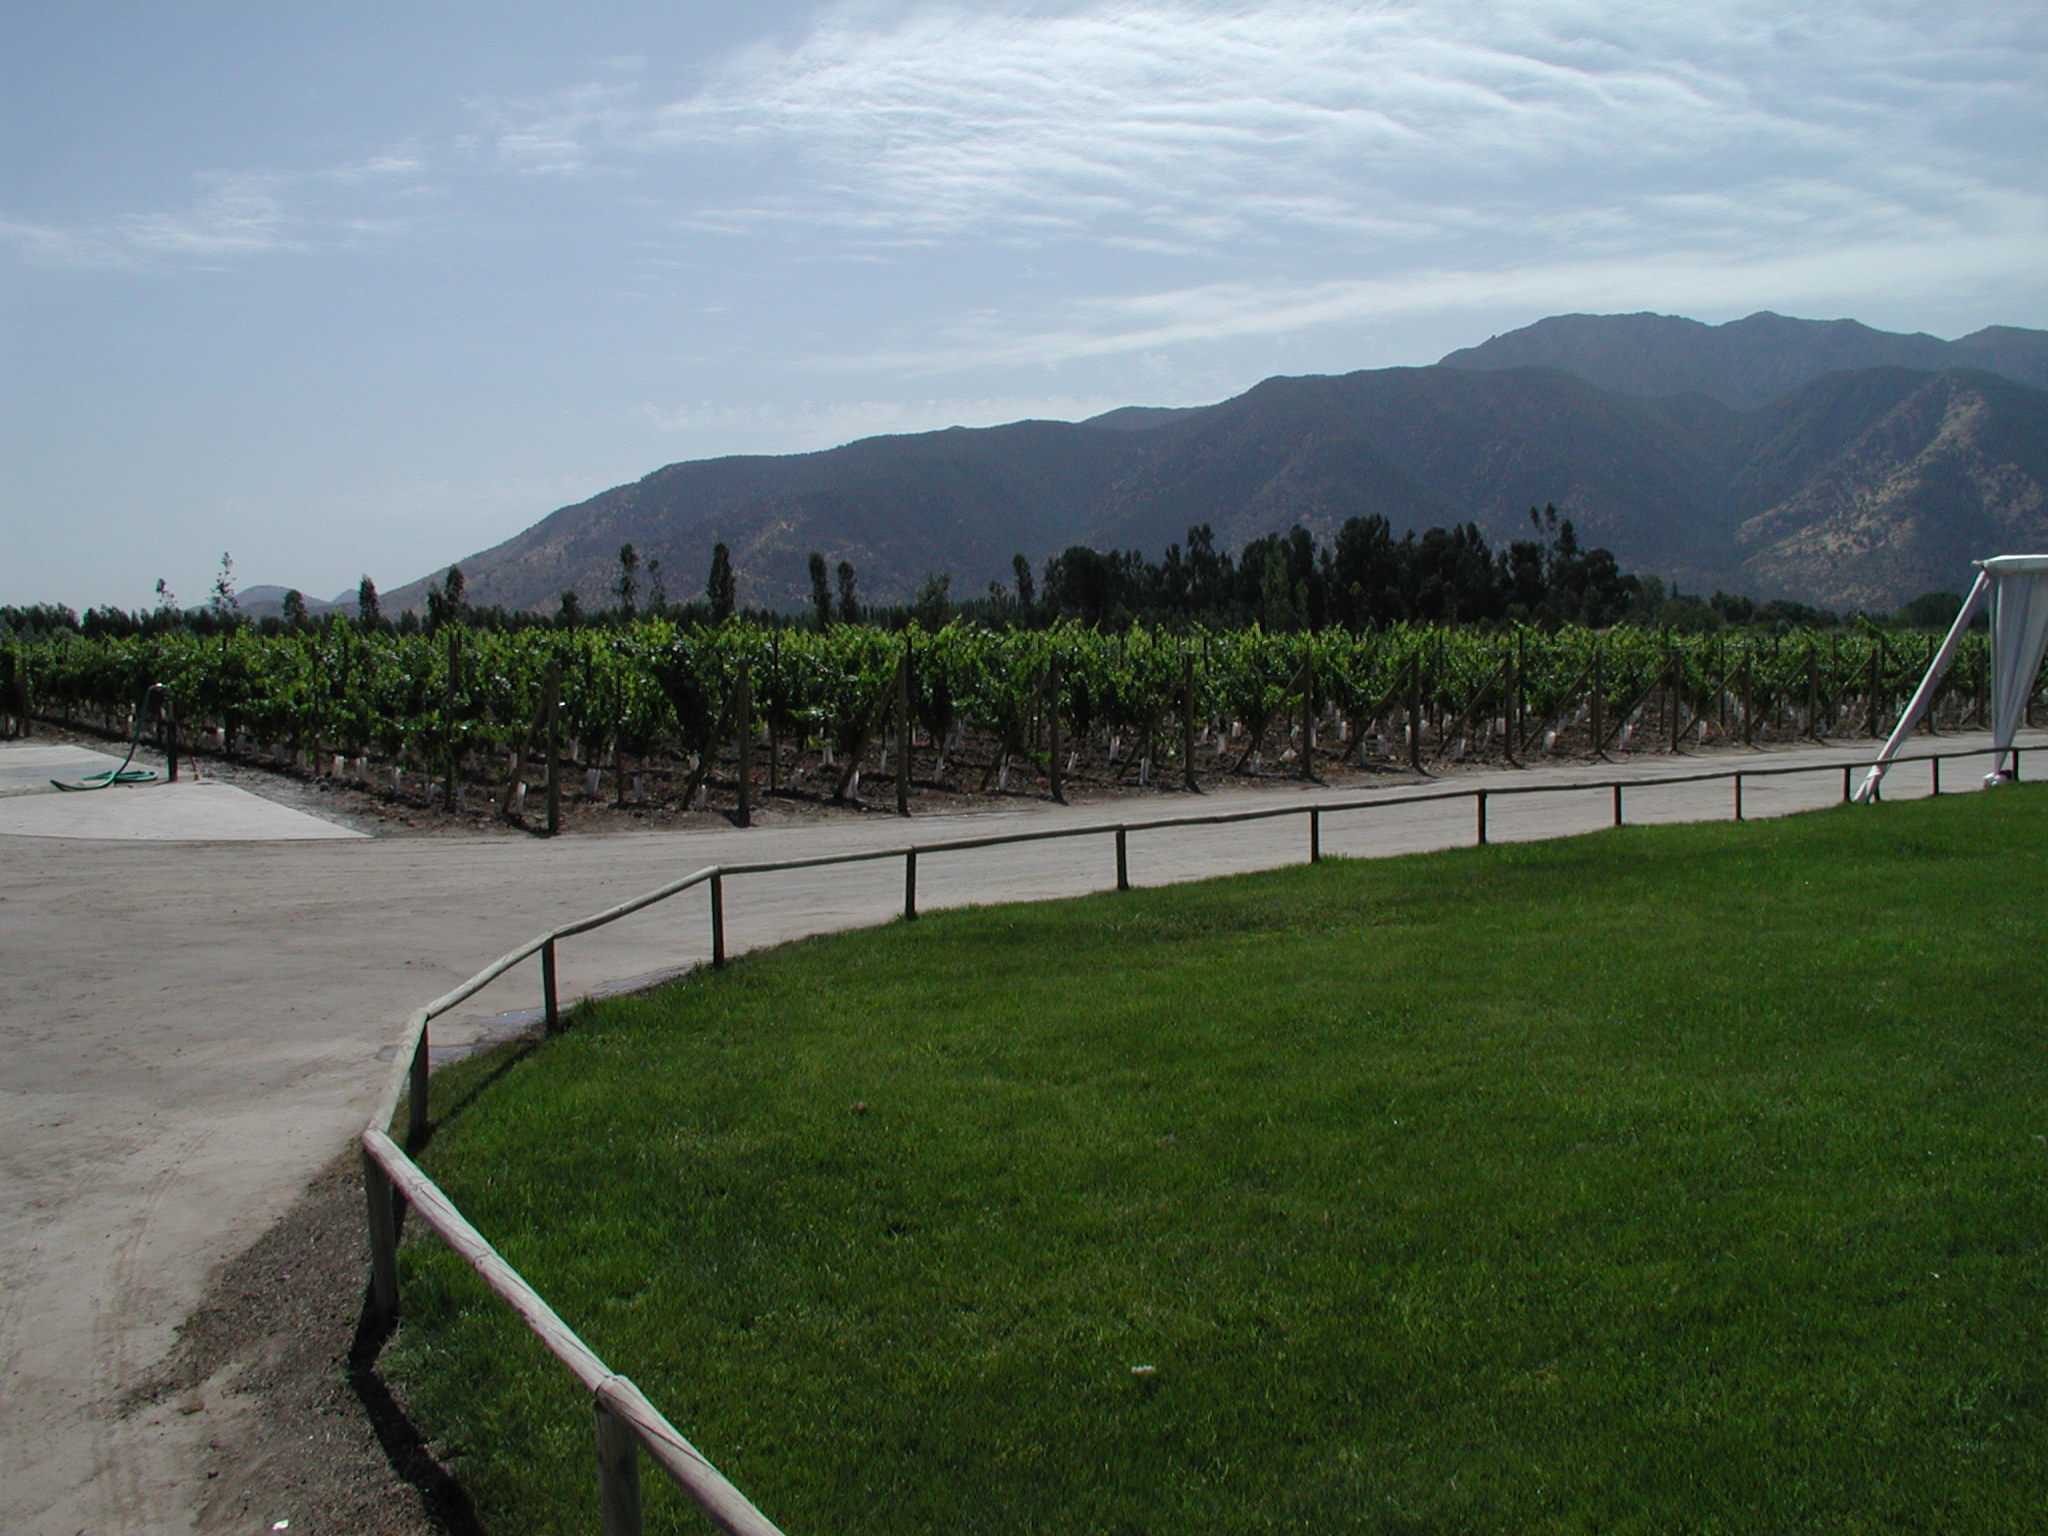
(1685, 1179)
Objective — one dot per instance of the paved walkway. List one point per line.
(191, 1031)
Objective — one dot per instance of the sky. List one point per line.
(362, 289)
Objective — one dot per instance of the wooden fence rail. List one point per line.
(625, 1421)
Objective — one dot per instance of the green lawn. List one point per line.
(1677, 1179)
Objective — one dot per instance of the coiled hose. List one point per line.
(125, 774)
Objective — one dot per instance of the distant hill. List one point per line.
(1856, 486)
(1745, 362)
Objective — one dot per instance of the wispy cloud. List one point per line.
(235, 216)
(1401, 149)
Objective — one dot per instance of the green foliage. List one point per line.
(655, 684)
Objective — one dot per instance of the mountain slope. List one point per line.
(1954, 470)
(1856, 487)
(1745, 362)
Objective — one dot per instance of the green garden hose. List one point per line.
(125, 774)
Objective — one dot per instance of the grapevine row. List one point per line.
(656, 704)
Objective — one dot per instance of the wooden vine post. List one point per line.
(448, 743)
(1598, 705)
(553, 737)
(903, 731)
(743, 730)
(1872, 709)
(1749, 696)
(1187, 721)
(1308, 713)
(1052, 728)
(1415, 710)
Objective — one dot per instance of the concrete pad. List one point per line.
(162, 813)
(26, 768)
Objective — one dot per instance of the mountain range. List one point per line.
(1819, 460)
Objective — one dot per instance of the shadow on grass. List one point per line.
(442, 1498)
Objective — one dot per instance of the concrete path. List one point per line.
(191, 1031)
(191, 810)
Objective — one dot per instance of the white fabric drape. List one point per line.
(2017, 588)
(2019, 635)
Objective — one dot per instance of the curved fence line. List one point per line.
(626, 1422)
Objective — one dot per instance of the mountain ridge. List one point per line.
(1793, 496)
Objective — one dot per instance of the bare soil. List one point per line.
(281, 1352)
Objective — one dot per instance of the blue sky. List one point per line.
(364, 288)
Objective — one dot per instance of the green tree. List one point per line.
(849, 600)
(226, 606)
(369, 612)
(721, 588)
(821, 591)
(627, 587)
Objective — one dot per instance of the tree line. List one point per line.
(1364, 579)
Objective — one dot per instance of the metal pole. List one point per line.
(1934, 762)
(547, 987)
(1738, 797)
(718, 922)
(1617, 805)
(910, 885)
(1123, 867)
(1845, 785)
(1480, 796)
(1315, 837)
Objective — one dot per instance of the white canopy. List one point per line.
(2017, 589)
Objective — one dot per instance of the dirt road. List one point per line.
(191, 1031)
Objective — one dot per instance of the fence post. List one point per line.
(743, 707)
(1934, 762)
(554, 741)
(910, 885)
(1480, 796)
(903, 731)
(618, 1473)
(717, 922)
(1845, 784)
(547, 988)
(1315, 836)
(1617, 805)
(1123, 867)
(1187, 720)
(416, 1106)
(1738, 796)
(383, 1218)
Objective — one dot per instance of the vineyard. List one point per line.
(655, 714)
